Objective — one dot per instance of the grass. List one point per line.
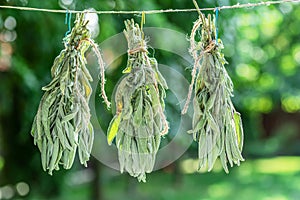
(260, 179)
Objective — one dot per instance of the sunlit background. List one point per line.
(262, 46)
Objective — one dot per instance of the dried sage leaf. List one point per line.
(139, 121)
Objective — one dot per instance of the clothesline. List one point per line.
(236, 6)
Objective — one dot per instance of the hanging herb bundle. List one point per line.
(139, 121)
(217, 126)
(62, 123)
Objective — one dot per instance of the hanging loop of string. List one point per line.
(236, 6)
(143, 21)
(216, 24)
(68, 21)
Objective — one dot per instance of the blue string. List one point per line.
(68, 21)
(216, 24)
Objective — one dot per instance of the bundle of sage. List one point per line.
(217, 126)
(62, 123)
(139, 121)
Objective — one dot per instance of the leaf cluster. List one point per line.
(217, 125)
(62, 123)
(139, 121)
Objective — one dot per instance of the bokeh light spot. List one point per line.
(7, 192)
(9, 36)
(291, 104)
(259, 55)
(250, 33)
(1, 162)
(281, 42)
(263, 104)
(10, 23)
(247, 72)
(270, 20)
(287, 65)
(267, 81)
(93, 24)
(189, 166)
(245, 47)
(22, 188)
(281, 165)
(67, 2)
(220, 190)
(296, 53)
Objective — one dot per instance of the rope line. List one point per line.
(236, 6)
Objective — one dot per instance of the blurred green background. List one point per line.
(262, 46)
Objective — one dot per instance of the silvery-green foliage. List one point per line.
(139, 121)
(62, 124)
(217, 126)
